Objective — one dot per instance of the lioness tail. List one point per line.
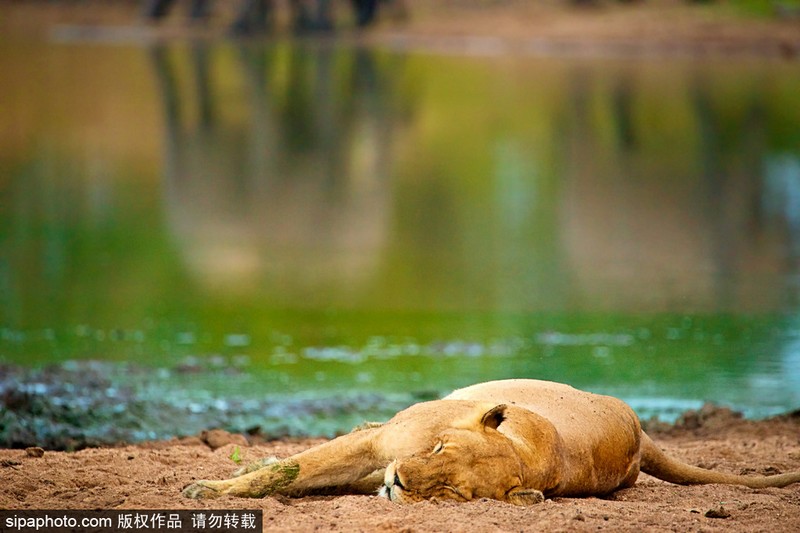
(658, 464)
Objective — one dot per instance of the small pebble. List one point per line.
(217, 438)
(717, 512)
(34, 451)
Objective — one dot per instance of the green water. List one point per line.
(314, 220)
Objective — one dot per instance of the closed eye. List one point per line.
(439, 447)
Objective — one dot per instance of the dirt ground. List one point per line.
(151, 476)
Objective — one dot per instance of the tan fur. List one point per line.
(517, 441)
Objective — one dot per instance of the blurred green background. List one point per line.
(319, 220)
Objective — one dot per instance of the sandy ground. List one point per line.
(151, 476)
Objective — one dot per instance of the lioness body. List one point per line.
(593, 441)
(513, 440)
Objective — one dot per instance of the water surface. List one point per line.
(316, 220)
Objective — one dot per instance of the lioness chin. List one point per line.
(517, 441)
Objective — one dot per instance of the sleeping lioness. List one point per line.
(517, 441)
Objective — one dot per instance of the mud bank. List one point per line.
(75, 405)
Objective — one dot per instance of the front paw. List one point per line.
(525, 496)
(202, 490)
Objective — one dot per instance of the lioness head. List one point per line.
(469, 461)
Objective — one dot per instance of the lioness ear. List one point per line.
(525, 496)
(494, 416)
